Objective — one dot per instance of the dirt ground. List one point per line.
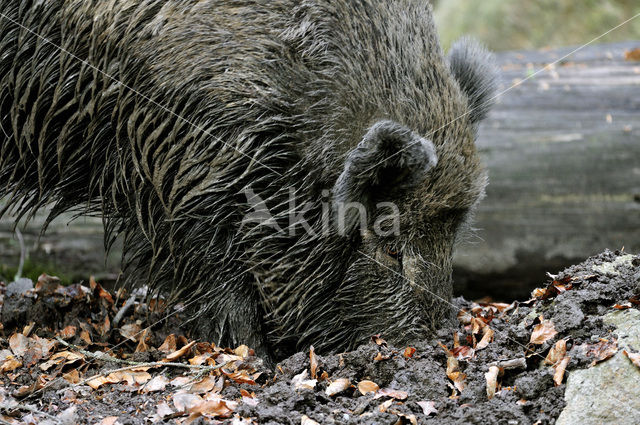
(75, 354)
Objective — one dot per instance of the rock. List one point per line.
(16, 305)
(611, 268)
(19, 287)
(608, 392)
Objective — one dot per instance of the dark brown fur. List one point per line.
(158, 115)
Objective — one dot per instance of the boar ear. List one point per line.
(474, 68)
(389, 160)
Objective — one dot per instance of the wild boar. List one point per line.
(294, 172)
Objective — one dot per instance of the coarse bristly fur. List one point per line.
(160, 115)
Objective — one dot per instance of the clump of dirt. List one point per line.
(500, 363)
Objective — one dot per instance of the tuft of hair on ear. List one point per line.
(389, 160)
(475, 69)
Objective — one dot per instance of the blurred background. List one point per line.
(534, 24)
(562, 147)
(562, 144)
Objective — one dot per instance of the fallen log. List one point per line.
(563, 150)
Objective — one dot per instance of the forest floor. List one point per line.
(80, 354)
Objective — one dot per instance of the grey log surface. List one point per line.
(563, 152)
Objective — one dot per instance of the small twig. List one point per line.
(29, 409)
(107, 358)
(23, 254)
(131, 365)
(519, 363)
(125, 308)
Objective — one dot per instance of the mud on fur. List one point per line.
(160, 115)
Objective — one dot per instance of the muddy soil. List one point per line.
(445, 380)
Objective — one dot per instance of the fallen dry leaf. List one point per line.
(26, 331)
(380, 357)
(130, 377)
(448, 352)
(366, 387)
(388, 392)
(487, 337)
(464, 317)
(301, 381)
(163, 410)
(248, 398)
(97, 382)
(454, 373)
(428, 407)
(560, 367)
(337, 386)
(66, 357)
(169, 344)
(185, 401)
(313, 362)
(556, 287)
(634, 357)
(498, 306)
(241, 377)
(202, 359)
(179, 353)
(384, 406)
(492, 381)
(10, 364)
(142, 344)
(556, 353)
(73, 376)
(601, 351)
(204, 385)
(409, 352)
(216, 408)
(181, 381)
(542, 332)
(68, 332)
(85, 336)
(98, 290)
(109, 420)
(242, 351)
(377, 339)
(410, 418)
(25, 390)
(131, 331)
(463, 352)
(18, 344)
(104, 327)
(305, 420)
(46, 284)
(477, 323)
(251, 401)
(156, 384)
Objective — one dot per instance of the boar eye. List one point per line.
(393, 252)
